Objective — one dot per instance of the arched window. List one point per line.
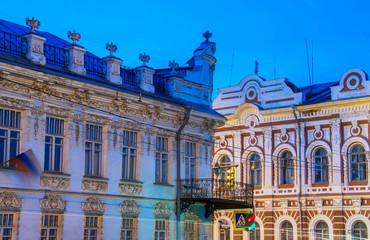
(256, 233)
(255, 169)
(321, 231)
(359, 231)
(224, 161)
(357, 158)
(286, 231)
(286, 168)
(321, 166)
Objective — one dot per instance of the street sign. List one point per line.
(240, 220)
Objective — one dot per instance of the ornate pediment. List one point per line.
(130, 207)
(52, 203)
(9, 201)
(162, 209)
(192, 211)
(93, 205)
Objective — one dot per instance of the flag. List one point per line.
(26, 163)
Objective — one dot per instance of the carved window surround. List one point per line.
(9, 201)
(130, 208)
(55, 180)
(130, 188)
(94, 184)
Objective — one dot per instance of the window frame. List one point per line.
(191, 168)
(10, 124)
(161, 152)
(363, 227)
(14, 226)
(56, 135)
(165, 230)
(322, 167)
(95, 150)
(359, 163)
(97, 228)
(321, 230)
(129, 155)
(255, 173)
(284, 161)
(289, 233)
(58, 227)
(134, 227)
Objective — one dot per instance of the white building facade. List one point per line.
(104, 137)
(305, 150)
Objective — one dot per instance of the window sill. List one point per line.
(286, 186)
(5, 168)
(320, 184)
(123, 180)
(357, 183)
(51, 173)
(164, 184)
(88, 177)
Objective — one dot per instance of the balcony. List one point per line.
(216, 194)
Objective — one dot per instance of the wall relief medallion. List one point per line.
(130, 207)
(93, 205)
(52, 203)
(130, 189)
(9, 201)
(60, 183)
(162, 209)
(94, 186)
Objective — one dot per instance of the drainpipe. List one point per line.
(300, 168)
(178, 161)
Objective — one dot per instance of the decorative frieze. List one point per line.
(130, 189)
(89, 185)
(55, 182)
(93, 205)
(52, 203)
(162, 209)
(9, 201)
(130, 207)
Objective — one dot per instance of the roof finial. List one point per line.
(74, 36)
(111, 48)
(144, 58)
(33, 23)
(207, 35)
(174, 65)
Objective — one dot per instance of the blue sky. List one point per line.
(271, 32)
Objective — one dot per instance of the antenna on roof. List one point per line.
(256, 67)
(232, 64)
(312, 59)
(308, 62)
(274, 68)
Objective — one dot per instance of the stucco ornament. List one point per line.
(52, 203)
(51, 182)
(144, 58)
(207, 35)
(357, 203)
(93, 205)
(111, 48)
(192, 211)
(319, 205)
(162, 209)
(130, 189)
(130, 207)
(74, 36)
(33, 23)
(173, 65)
(94, 186)
(9, 201)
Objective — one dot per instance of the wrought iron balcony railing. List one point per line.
(215, 190)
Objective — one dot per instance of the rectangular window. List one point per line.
(190, 230)
(91, 227)
(10, 122)
(129, 155)
(93, 150)
(190, 160)
(161, 160)
(160, 229)
(49, 227)
(54, 131)
(127, 229)
(6, 226)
